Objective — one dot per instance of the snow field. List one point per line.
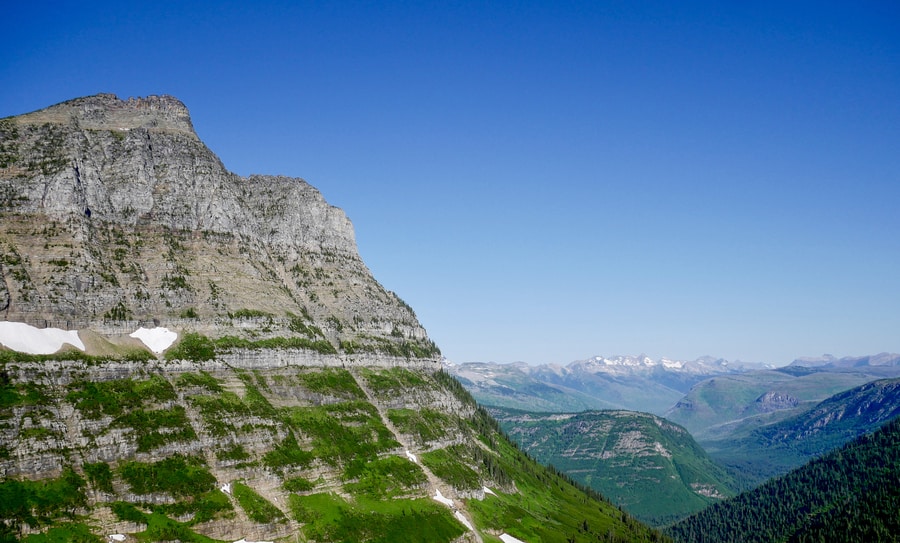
(25, 338)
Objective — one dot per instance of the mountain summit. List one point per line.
(189, 355)
(116, 215)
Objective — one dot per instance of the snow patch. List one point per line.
(156, 339)
(412, 457)
(440, 497)
(465, 522)
(488, 491)
(506, 538)
(25, 338)
(226, 488)
(116, 537)
(242, 540)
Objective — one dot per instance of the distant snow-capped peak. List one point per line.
(627, 363)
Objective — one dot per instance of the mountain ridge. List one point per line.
(228, 367)
(117, 215)
(637, 383)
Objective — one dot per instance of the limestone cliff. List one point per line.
(115, 213)
(298, 401)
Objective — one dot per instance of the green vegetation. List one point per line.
(331, 382)
(192, 346)
(249, 314)
(99, 475)
(850, 494)
(382, 489)
(229, 343)
(402, 348)
(113, 398)
(298, 484)
(383, 478)
(221, 410)
(180, 476)
(342, 432)
(118, 312)
(449, 465)
(201, 379)
(67, 532)
(21, 394)
(649, 466)
(756, 454)
(425, 425)
(148, 426)
(257, 508)
(73, 355)
(236, 452)
(287, 453)
(162, 528)
(329, 517)
(39, 503)
(395, 380)
(548, 506)
(304, 325)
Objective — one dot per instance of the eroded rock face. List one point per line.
(115, 211)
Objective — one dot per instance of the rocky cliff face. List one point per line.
(300, 401)
(114, 212)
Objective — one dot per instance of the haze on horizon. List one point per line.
(545, 182)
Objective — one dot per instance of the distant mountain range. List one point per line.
(758, 422)
(634, 383)
(882, 359)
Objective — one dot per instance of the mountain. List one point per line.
(720, 406)
(116, 216)
(636, 383)
(850, 494)
(649, 466)
(766, 451)
(189, 355)
(882, 359)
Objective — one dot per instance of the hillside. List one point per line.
(850, 494)
(766, 451)
(720, 406)
(649, 466)
(193, 356)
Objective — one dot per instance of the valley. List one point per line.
(191, 355)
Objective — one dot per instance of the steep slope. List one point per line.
(225, 366)
(227, 449)
(850, 494)
(774, 449)
(651, 467)
(116, 215)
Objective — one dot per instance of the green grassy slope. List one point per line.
(651, 467)
(319, 454)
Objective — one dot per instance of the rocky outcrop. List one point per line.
(115, 211)
(775, 401)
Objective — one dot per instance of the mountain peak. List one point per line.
(109, 112)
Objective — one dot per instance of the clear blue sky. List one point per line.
(548, 181)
